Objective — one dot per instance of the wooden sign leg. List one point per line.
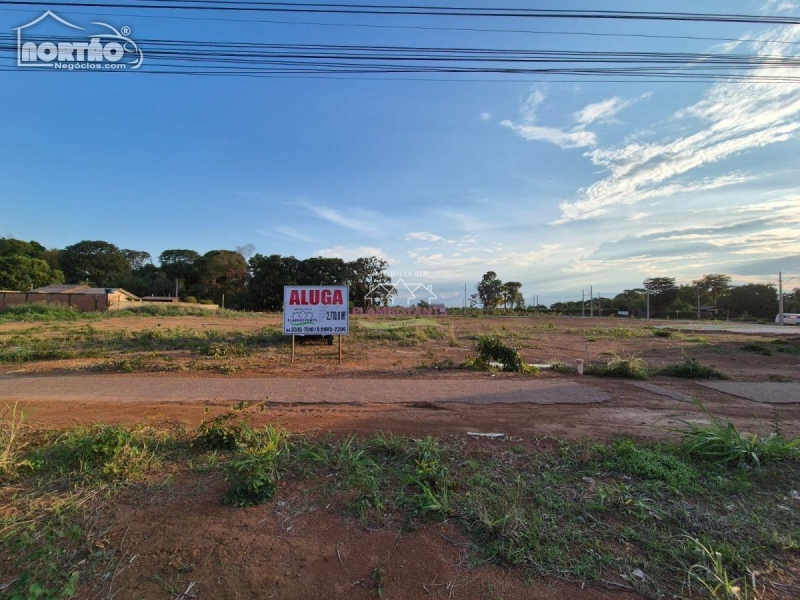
(292, 349)
(340, 349)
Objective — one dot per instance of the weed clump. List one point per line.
(722, 443)
(492, 349)
(624, 367)
(691, 368)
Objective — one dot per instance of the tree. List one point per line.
(490, 290)
(755, 300)
(246, 251)
(24, 274)
(14, 247)
(369, 277)
(712, 287)
(663, 292)
(137, 259)
(631, 300)
(94, 262)
(268, 276)
(791, 302)
(512, 297)
(223, 273)
(179, 264)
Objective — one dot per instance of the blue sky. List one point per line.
(559, 185)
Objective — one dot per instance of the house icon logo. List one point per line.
(400, 293)
(108, 49)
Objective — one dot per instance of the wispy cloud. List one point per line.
(733, 118)
(605, 110)
(559, 137)
(486, 116)
(424, 236)
(286, 232)
(529, 130)
(351, 220)
(349, 253)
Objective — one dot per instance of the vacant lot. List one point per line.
(360, 479)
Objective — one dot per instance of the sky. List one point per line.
(561, 183)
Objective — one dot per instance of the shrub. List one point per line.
(251, 480)
(662, 333)
(190, 300)
(252, 476)
(492, 349)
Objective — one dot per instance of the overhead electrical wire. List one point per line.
(248, 58)
(615, 35)
(413, 10)
(218, 58)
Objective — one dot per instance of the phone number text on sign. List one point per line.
(316, 310)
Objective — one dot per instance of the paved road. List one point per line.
(769, 392)
(733, 327)
(88, 388)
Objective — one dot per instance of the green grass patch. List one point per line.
(691, 368)
(675, 511)
(89, 342)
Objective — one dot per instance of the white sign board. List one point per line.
(316, 310)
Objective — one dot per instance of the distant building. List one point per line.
(80, 297)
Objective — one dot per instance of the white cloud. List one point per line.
(577, 138)
(362, 223)
(734, 117)
(559, 137)
(353, 252)
(424, 236)
(531, 104)
(602, 111)
(486, 116)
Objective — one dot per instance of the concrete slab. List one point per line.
(661, 391)
(767, 392)
(121, 388)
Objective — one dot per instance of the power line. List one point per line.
(251, 58)
(434, 28)
(412, 10)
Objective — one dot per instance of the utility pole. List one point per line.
(583, 304)
(465, 295)
(698, 302)
(780, 298)
(648, 305)
(591, 302)
(176, 288)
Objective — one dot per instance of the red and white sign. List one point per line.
(316, 310)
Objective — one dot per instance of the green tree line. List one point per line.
(245, 279)
(714, 293)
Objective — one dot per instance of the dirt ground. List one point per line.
(291, 549)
